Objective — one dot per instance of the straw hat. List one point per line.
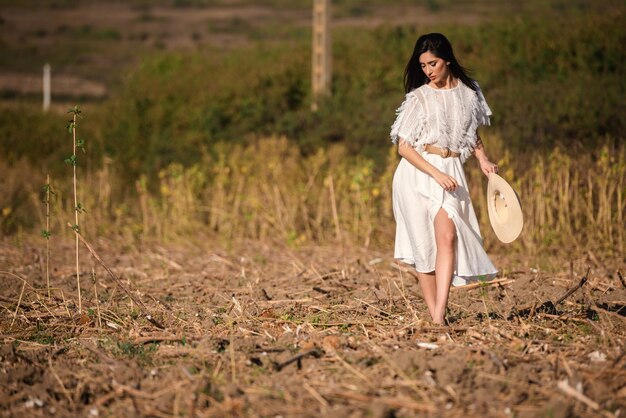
(505, 209)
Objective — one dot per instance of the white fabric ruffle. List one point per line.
(410, 123)
(447, 118)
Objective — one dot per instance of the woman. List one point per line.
(435, 129)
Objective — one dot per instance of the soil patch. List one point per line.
(262, 329)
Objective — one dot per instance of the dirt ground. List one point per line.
(265, 330)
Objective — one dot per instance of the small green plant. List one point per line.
(288, 317)
(139, 352)
(43, 339)
(46, 232)
(483, 289)
(585, 328)
(41, 335)
(78, 207)
(134, 314)
(71, 160)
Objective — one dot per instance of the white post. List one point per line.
(46, 87)
(321, 51)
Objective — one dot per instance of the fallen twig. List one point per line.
(573, 289)
(298, 358)
(18, 305)
(265, 294)
(319, 289)
(548, 306)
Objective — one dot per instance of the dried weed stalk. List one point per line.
(46, 232)
(78, 208)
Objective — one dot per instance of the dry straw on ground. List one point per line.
(269, 190)
(267, 330)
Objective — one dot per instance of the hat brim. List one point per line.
(505, 209)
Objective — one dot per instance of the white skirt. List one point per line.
(416, 200)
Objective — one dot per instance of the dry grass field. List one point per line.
(262, 329)
(256, 279)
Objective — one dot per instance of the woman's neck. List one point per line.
(448, 83)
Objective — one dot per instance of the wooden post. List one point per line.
(322, 51)
(46, 87)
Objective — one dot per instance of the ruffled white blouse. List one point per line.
(447, 118)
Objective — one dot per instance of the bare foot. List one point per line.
(441, 322)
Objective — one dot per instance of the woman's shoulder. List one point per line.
(473, 92)
(476, 97)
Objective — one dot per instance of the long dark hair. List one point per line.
(439, 46)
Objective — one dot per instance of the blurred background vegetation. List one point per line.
(207, 122)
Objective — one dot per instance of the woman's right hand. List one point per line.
(448, 183)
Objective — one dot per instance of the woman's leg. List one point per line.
(429, 290)
(445, 235)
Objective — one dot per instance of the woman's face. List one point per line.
(436, 69)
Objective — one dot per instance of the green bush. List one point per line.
(548, 80)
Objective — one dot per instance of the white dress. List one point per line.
(447, 118)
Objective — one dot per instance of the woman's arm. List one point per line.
(485, 165)
(408, 153)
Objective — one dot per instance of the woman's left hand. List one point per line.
(488, 167)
